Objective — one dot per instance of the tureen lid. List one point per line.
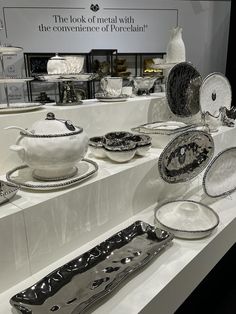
(57, 57)
(52, 126)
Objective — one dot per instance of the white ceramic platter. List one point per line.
(67, 77)
(9, 49)
(220, 176)
(20, 107)
(22, 176)
(186, 219)
(15, 79)
(215, 92)
(111, 99)
(186, 156)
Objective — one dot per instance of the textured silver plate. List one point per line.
(186, 219)
(182, 90)
(186, 156)
(7, 191)
(75, 286)
(23, 176)
(220, 176)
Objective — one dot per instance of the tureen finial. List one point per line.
(50, 116)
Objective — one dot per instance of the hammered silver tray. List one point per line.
(75, 286)
(186, 156)
(220, 177)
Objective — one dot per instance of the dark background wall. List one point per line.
(231, 56)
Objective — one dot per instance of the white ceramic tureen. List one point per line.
(52, 148)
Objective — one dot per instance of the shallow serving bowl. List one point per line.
(186, 219)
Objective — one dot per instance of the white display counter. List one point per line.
(42, 231)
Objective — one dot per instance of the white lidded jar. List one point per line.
(57, 65)
(51, 147)
(175, 51)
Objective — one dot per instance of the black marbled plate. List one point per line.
(75, 286)
(182, 89)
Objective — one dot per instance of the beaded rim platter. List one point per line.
(186, 156)
(220, 177)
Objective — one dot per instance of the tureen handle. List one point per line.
(18, 128)
(19, 149)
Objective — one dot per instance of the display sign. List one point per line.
(80, 29)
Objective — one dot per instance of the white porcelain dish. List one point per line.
(20, 107)
(82, 77)
(215, 92)
(186, 219)
(104, 98)
(51, 147)
(220, 176)
(6, 49)
(22, 176)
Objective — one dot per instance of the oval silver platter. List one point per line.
(75, 286)
(182, 90)
(186, 156)
(220, 176)
(186, 219)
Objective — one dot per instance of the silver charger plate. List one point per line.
(186, 219)
(215, 92)
(23, 177)
(186, 156)
(79, 284)
(182, 89)
(20, 107)
(7, 191)
(220, 176)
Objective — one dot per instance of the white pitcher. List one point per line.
(175, 52)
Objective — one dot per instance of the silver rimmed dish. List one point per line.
(220, 176)
(7, 191)
(186, 219)
(23, 177)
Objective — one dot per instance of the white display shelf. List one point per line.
(41, 231)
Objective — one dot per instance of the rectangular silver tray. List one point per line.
(75, 286)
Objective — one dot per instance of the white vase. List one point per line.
(176, 49)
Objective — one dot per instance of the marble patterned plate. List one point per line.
(182, 90)
(220, 176)
(186, 156)
(215, 92)
(75, 286)
(186, 219)
(22, 176)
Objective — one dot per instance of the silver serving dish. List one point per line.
(77, 285)
(220, 177)
(7, 191)
(186, 219)
(162, 132)
(186, 156)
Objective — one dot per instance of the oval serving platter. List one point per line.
(182, 90)
(220, 176)
(186, 156)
